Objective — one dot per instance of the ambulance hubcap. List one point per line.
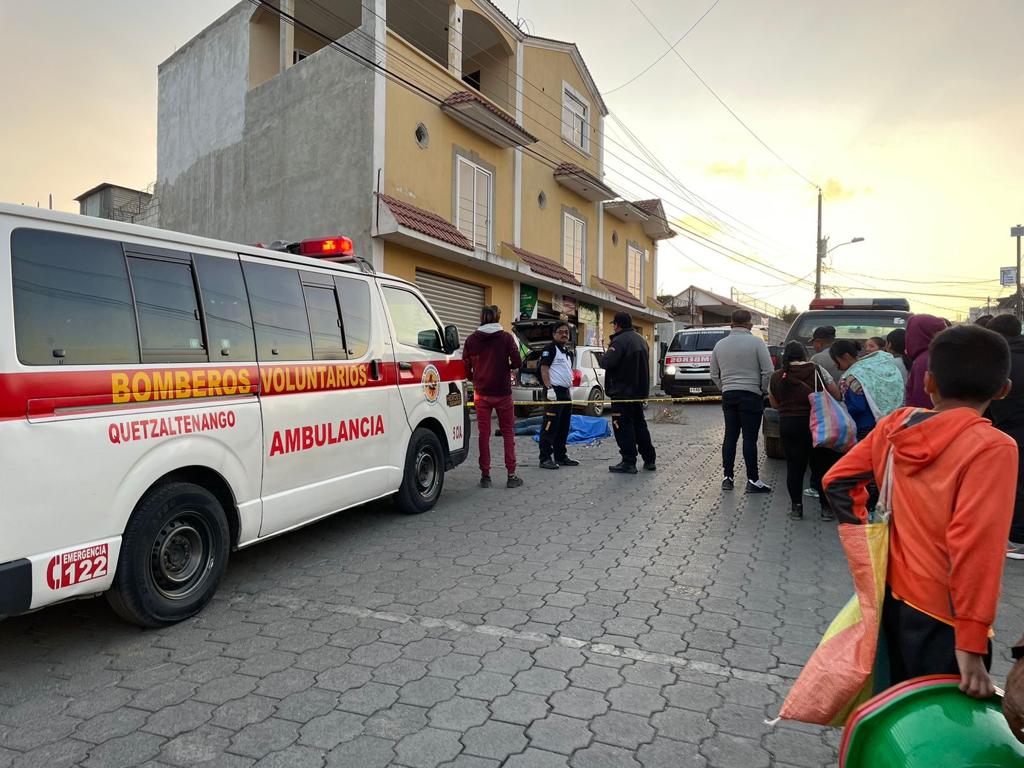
(426, 472)
(181, 556)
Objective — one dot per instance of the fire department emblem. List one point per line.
(431, 383)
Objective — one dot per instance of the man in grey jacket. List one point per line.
(741, 367)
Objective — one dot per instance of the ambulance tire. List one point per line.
(173, 554)
(423, 479)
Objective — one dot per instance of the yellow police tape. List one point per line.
(539, 403)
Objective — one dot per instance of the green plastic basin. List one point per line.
(929, 723)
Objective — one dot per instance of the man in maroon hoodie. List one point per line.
(489, 354)
(921, 329)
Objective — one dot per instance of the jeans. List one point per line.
(795, 432)
(743, 412)
(555, 428)
(1017, 528)
(631, 432)
(506, 421)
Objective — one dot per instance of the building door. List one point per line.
(456, 302)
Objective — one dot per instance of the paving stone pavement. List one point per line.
(586, 619)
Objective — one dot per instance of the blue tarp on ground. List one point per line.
(583, 430)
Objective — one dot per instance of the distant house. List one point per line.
(111, 201)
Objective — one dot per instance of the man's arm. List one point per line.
(612, 358)
(846, 484)
(547, 356)
(764, 359)
(515, 360)
(467, 360)
(716, 371)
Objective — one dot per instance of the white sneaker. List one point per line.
(1014, 551)
(810, 493)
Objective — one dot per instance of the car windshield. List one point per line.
(858, 327)
(702, 341)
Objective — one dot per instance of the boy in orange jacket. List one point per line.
(953, 485)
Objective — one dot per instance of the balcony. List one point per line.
(583, 183)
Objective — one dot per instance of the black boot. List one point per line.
(796, 512)
(623, 468)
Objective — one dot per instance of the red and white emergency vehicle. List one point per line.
(165, 399)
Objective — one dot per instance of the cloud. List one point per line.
(835, 191)
(729, 170)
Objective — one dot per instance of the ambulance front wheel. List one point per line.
(424, 473)
(173, 554)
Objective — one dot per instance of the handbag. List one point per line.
(841, 673)
(831, 426)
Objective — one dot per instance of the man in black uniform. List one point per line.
(627, 377)
(557, 361)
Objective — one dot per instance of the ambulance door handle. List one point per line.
(376, 369)
(404, 366)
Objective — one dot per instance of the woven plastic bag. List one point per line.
(831, 426)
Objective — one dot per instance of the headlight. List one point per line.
(670, 370)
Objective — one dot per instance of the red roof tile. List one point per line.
(649, 207)
(468, 97)
(425, 222)
(544, 266)
(620, 293)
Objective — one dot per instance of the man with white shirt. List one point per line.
(556, 365)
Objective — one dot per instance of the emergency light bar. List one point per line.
(892, 305)
(327, 247)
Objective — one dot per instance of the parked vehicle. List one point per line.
(588, 374)
(857, 319)
(166, 399)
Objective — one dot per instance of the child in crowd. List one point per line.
(953, 482)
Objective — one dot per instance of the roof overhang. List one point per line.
(623, 210)
(657, 226)
(486, 121)
(584, 184)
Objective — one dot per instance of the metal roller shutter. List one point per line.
(456, 302)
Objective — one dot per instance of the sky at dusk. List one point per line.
(908, 114)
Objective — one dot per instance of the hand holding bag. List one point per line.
(831, 426)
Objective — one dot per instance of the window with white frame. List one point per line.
(575, 118)
(634, 270)
(574, 234)
(473, 202)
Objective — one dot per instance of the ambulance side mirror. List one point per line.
(451, 339)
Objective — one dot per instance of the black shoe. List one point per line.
(549, 464)
(485, 481)
(827, 515)
(753, 487)
(727, 484)
(514, 481)
(567, 462)
(650, 466)
(796, 512)
(623, 468)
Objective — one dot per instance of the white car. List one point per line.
(588, 374)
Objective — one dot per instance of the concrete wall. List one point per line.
(287, 159)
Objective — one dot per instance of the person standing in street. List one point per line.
(1008, 416)
(741, 367)
(556, 364)
(822, 340)
(627, 366)
(490, 353)
(921, 329)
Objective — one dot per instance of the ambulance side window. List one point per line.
(414, 325)
(168, 311)
(355, 313)
(278, 313)
(228, 320)
(72, 300)
(324, 322)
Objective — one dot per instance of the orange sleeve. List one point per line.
(976, 542)
(846, 484)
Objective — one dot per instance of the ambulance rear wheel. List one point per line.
(173, 554)
(424, 473)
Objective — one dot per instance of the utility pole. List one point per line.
(1018, 232)
(820, 253)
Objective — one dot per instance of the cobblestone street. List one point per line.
(586, 619)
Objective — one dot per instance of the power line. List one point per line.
(721, 101)
(654, 63)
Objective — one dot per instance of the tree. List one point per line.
(790, 313)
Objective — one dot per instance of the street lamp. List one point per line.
(823, 251)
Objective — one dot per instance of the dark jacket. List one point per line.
(1008, 414)
(792, 388)
(921, 329)
(489, 354)
(627, 365)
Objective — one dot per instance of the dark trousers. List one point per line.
(743, 412)
(1017, 529)
(554, 430)
(916, 644)
(631, 432)
(795, 432)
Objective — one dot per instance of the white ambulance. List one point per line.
(165, 399)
